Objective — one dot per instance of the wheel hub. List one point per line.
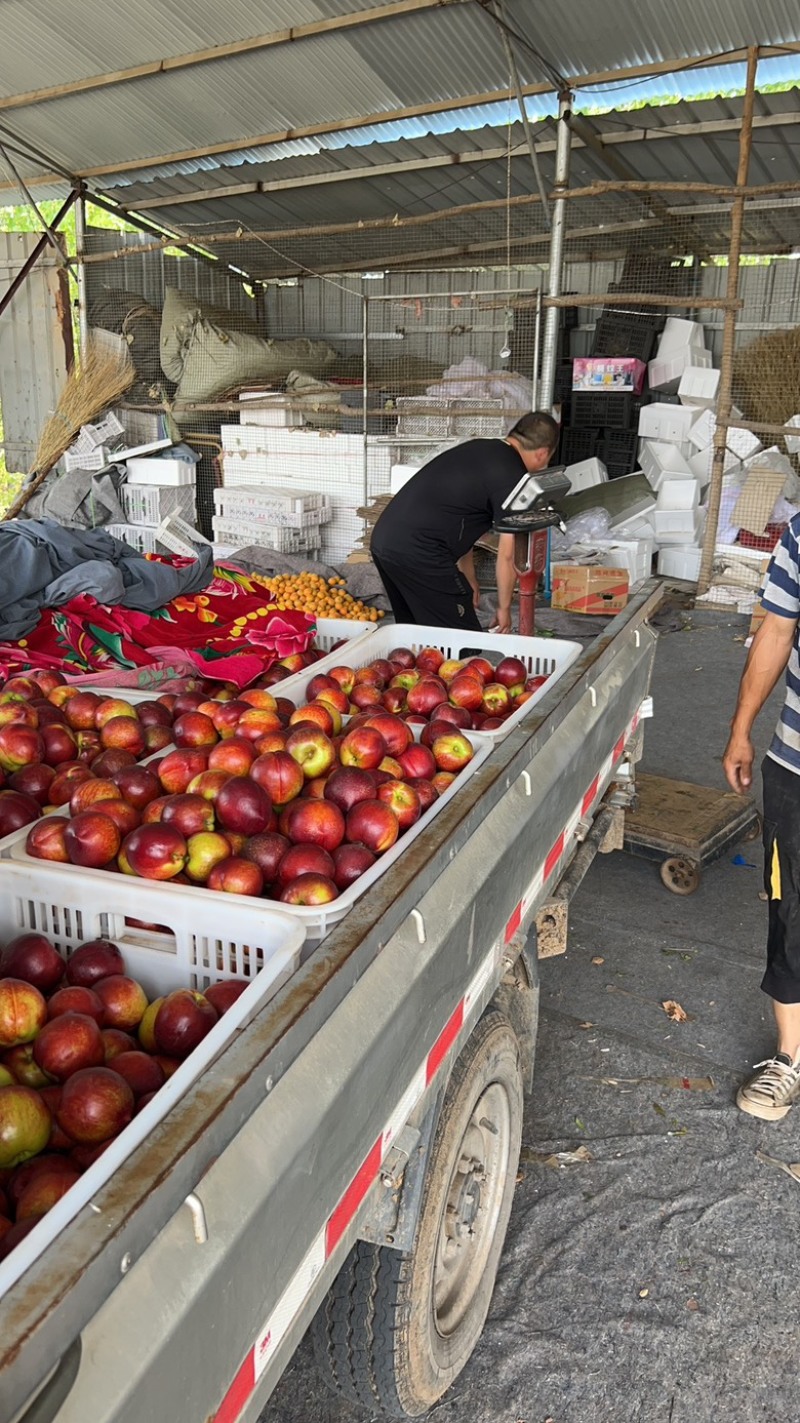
(465, 1200)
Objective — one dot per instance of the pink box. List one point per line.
(608, 373)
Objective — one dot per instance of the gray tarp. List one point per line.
(43, 565)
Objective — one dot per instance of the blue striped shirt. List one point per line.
(781, 595)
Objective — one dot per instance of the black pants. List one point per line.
(782, 881)
(427, 596)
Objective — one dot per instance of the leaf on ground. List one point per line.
(556, 1159)
(692, 1304)
(586, 1025)
(598, 960)
(643, 1294)
(678, 954)
(674, 1011)
(579, 1124)
(657, 1107)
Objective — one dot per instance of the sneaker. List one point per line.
(773, 1087)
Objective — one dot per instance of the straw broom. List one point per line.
(104, 377)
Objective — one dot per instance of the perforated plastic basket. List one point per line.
(239, 938)
(542, 657)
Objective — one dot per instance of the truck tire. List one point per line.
(397, 1329)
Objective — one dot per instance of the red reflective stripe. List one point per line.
(554, 856)
(353, 1196)
(619, 748)
(589, 798)
(444, 1042)
(234, 1402)
(514, 923)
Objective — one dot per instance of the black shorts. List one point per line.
(782, 880)
(427, 596)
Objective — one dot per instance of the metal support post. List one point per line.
(724, 398)
(33, 257)
(365, 393)
(557, 235)
(80, 251)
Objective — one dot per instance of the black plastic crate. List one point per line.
(591, 408)
(577, 445)
(618, 450)
(623, 333)
(563, 382)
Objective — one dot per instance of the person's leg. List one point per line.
(775, 1085)
(434, 597)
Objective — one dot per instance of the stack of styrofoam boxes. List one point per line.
(677, 519)
(155, 490)
(288, 520)
(681, 345)
(324, 462)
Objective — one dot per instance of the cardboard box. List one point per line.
(577, 588)
(608, 373)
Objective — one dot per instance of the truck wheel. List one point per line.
(397, 1329)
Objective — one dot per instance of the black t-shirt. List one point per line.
(448, 504)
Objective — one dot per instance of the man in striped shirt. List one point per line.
(775, 1084)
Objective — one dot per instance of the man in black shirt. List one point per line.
(422, 543)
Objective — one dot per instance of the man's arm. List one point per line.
(467, 566)
(767, 659)
(506, 581)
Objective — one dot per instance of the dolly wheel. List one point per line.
(681, 876)
(755, 830)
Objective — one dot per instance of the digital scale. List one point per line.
(528, 513)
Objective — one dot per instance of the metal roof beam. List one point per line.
(490, 96)
(449, 160)
(272, 40)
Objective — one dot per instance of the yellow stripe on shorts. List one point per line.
(775, 873)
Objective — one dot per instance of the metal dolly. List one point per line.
(686, 827)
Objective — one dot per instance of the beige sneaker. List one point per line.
(772, 1089)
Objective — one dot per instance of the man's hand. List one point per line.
(737, 762)
(503, 620)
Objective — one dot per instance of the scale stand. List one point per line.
(529, 513)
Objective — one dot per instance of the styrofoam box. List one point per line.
(261, 407)
(658, 460)
(238, 938)
(678, 526)
(150, 503)
(664, 373)
(142, 470)
(678, 493)
(701, 430)
(793, 441)
(634, 554)
(542, 656)
(680, 561)
(700, 463)
(586, 474)
(743, 443)
(698, 387)
(678, 332)
(400, 475)
(668, 423)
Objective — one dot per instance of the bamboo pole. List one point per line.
(725, 393)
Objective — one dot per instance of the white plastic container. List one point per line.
(541, 656)
(142, 470)
(658, 460)
(241, 533)
(668, 423)
(677, 492)
(263, 407)
(239, 938)
(680, 561)
(585, 474)
(150, 503)
(291, 508)
(698, 387)
(141, 537)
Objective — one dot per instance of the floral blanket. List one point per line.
(228, 632)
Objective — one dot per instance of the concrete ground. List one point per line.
(651, 1281)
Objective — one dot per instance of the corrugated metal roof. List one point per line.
(440, 55)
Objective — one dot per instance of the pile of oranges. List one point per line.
(325, 598)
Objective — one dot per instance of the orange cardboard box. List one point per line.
(582, 588)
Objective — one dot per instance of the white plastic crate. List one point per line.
(302, 509)
(95, 459)
(263, 407)
(424, 417)
(180, 537)
(481, 419)
(678, 493)
(658, 460)
(585, 474)
(680, 561)
(239, 938)
(698, 387)
(140, 537)
(541, 656)
(331, 631)
(240, 533)
(150, 503)
(668, 423)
